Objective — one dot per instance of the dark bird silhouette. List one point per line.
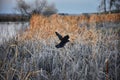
(63, 40)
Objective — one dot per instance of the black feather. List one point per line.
(64, 40)
(59, 36)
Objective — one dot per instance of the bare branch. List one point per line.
(38, 7)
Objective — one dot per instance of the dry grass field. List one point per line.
(92, 53)
(42, 27)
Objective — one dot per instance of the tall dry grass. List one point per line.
(92, 53)
(77, 27)
(36, 60)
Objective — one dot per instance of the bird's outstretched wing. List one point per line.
(59, 36)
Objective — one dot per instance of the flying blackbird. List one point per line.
(64, 40)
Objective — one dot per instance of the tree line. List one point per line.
(36, 7)
(42, 7)
(109, 6)
(26, 9)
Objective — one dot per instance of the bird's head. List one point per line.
(67, 36)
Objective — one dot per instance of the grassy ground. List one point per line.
(78, 60)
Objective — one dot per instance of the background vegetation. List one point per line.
(94, 55)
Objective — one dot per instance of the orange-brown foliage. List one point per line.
(45, 27)
(105, 18)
